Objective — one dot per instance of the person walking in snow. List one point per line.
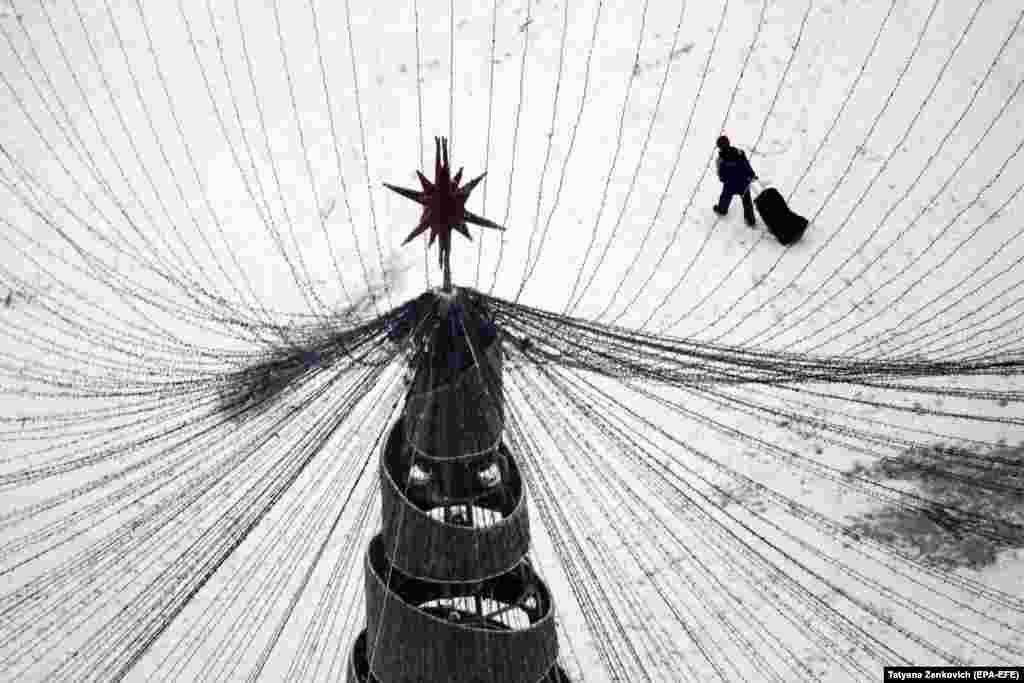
(736, 175)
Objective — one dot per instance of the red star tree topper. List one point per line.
(444, 207)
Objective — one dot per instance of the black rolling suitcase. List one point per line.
(788, 227)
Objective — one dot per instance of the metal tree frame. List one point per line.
(451, 596)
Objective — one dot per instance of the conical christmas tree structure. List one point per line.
(451, 596)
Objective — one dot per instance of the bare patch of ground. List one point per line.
(990, 485)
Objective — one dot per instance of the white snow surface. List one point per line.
(598, 147)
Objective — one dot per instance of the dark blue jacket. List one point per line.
(734, 170)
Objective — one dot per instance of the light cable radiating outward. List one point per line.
(362, 139)
(190, 471)
(669, 61)
(113, 244)
(491, 62)
(675, 163)
(728, 110)
(871, 130)
(265, 219)
(884, 165)
(527, 268)
(753, 148)
(419, 124)
(310, 175)
(550, 372)
(515, 139)
(828, 134)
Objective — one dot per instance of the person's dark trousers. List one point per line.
(748, 204)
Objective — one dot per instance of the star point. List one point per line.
(444, 206)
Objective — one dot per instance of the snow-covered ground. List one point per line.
(238, 133)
